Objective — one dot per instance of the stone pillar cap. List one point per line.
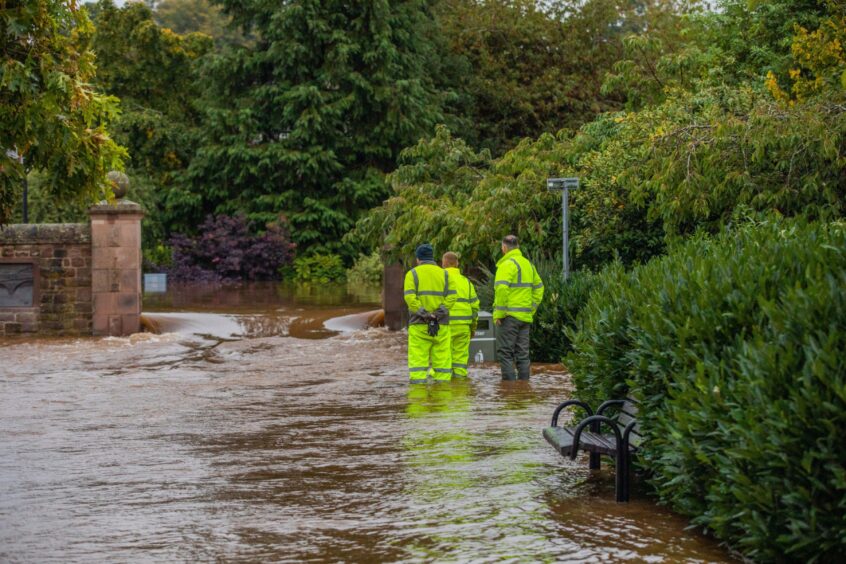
(121, 206)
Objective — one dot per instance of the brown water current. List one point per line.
(195, 445)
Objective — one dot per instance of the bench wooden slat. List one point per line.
(561, 438)
(624, 420)
(628, 414)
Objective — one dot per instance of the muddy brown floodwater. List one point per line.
(199, 445)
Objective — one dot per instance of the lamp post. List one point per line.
(564, 185)
(13, 154)
(25, 200)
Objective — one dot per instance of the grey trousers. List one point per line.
(512, 343)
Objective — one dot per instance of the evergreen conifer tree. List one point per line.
(306, 121)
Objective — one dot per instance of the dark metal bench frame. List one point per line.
(623, 447)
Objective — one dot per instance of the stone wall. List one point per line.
(73, 279)
(60, 255)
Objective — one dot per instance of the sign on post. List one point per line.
(565, 185)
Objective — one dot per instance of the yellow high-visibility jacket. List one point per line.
(518, 288)
(466, 308)
(428, 287)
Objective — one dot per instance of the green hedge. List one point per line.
(737, 348)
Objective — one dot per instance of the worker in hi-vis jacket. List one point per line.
(463, 315)
(518, 291)
(430, 294)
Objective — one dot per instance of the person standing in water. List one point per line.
(429, 293)
(462, 317)
(518, 291)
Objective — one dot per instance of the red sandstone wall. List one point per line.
(62, 300)
(116, 244)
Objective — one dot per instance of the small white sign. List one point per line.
(562, 183)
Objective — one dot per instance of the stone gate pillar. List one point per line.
(116, 267)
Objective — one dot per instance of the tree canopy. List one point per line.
(51, 119)
(699, 145)
(188, 16)
(307, 120)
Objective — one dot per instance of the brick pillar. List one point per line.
(116, 267)
(396, 312)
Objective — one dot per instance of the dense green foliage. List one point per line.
(151, 70)
(533, 68)
(446, 193)
(308, 119)
(701, 145)
(321, 268)
(734, 345)
(51, 120)
(367, 269)
(188, 16)
(751, 38)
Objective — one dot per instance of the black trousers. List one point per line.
(512, 343)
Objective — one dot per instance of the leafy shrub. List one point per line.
(562, 302)
(600, 338)
(735, 346)
(319, 268)
(226, 249)
(367, 269)
(44, 206)
(157, 258)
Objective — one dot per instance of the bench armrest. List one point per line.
(609, 403)
(591, 420)
(566, 404)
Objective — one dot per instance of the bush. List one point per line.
(226, 250)
(367, 269)
(735, 346)
(319, 268)
(562, 302)
(156, 258)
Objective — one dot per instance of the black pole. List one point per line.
(25, 201)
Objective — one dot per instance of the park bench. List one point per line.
(619, 444)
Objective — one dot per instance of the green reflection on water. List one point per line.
(468, 483)
(254, 297)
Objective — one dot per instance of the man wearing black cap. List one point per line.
(429, 294)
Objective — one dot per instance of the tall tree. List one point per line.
(755, 35)
(151, 70)
(187, 16)
(538, 67)
(308, 120)
(50, 117)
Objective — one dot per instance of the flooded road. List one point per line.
(276, 448)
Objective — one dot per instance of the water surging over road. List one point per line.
(179, 447)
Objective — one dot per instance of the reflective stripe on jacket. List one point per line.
(466, 307)
(428, 286)
(518, 288)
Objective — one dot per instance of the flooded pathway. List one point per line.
(276, 448)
